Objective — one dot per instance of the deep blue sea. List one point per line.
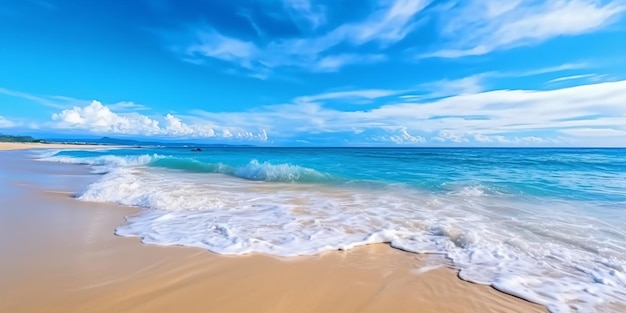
(548, 225)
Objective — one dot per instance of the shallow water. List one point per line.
(542, 224)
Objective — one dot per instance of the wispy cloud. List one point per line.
(64, 102)
(492, 117)
(215, 45)
(479, 82)
(477, 27)
(591, 114)
(5, 123)
(448, 87)
(125, 106)
(52, 102)
(388, 24)
(572, 77)
(351, 95)
(306, 14)
(550, 69)
(596, 132)
(333, 63)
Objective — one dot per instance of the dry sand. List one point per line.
(60, 255)
(29, 145)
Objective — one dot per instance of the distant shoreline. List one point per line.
(35, 145)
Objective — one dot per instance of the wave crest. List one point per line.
(254, 170)
(278, 173)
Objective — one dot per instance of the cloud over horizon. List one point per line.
(321, 72)
(100, 119)
(497, 117)
(4, 123)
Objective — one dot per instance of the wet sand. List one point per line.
(60, 255)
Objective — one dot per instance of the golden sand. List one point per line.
(60, 255)
(29, 145)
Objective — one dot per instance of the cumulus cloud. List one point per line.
(175, 126)
(99, 118)
(399, 136)
(451, 136)
(514, 140)
(477, 27)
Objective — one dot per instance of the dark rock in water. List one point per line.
(197, 150)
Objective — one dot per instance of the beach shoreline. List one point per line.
(7, 146)
(62, 256)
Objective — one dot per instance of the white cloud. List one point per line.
(333, 63)
(99, 118)
(215, 45)
(401, 137)
(5, 123)
(596, 132)
(350, 95)
(476, 83)
(63, 102)
(397, 135)
(501, 117)
(53, 103)
(128, 106)
(447, 87)
(592, 114)
(451, 136)
(505, 140)
(551, 69)
(388, 24)
(305, 14)
(176, 126)
(477, 27)
(571, 77)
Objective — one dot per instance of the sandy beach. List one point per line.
(29, 145)
(60, 255)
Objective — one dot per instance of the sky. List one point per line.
(317, 72)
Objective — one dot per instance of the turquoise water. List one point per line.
(544, 224)
(585, 174)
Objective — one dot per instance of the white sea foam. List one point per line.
(102, 164)
(45, 153)
(543, 251)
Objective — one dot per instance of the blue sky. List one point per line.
(318, 72)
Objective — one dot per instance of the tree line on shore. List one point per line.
(10, 138)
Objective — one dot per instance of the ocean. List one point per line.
(547, 225)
